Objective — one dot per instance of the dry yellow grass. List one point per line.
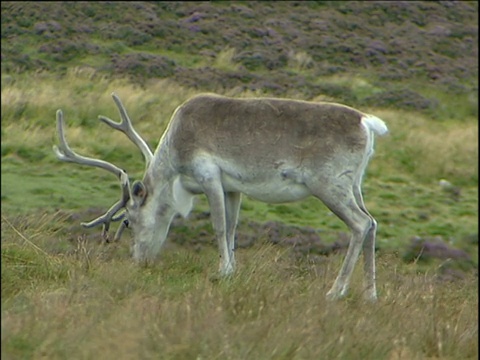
(94, 302)
(427, 149)
(451, 150)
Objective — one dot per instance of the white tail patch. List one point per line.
(375, 124)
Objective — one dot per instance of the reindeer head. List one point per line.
(132, 198)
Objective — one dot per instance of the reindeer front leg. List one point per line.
(209, 176)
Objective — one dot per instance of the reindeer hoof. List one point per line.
(333, 295)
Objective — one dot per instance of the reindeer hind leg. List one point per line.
(232, 207)
(340, 199)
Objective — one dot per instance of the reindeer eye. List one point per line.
(126, 222)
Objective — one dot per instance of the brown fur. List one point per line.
(248, 130)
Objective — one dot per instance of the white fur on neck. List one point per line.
(182, 199)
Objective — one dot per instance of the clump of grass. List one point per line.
(23, 258)
(429, 150)
(300, 60)
(359, 87)
(451, 153)
(225, 60)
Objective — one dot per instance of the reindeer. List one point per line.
(270, 149)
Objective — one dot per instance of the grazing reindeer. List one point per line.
(273, 150)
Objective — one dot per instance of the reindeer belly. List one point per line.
(267, 184)
(270, 192)
(280, 182)
(277, 189)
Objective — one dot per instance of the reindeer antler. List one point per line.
(65, 153)
(126, 127)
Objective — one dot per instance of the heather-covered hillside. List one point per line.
(282, 48)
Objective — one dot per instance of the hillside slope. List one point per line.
(282, 48)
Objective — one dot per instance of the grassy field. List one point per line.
(91, 301)
(67, 295)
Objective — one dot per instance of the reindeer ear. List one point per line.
(139, 192)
